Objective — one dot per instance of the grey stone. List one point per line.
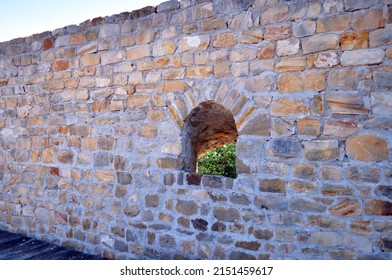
(286, 148)
(168, 6)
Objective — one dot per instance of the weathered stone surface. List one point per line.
(193, 43)
(321, 150)
(248, 245)
(336, 190)
(330, 239)
(345, 104)
(303, 187)
(339, 128)
(278, 32)
(303, 205)
(274, 14)
(266, 50)
(241, 21)
(162, 48)
(274, 203)
(200, 224)
(363, 174)
(367, 147)
(287, 47)
(202, 11)
(383, 190)
(264, 234)
(167, 6)
(381, 103)
(213, 24)
(361, 227)
(325, 222)
(326, 60)
(303, 29)
(261, 83)
(378, 207)
(320, 42)
(226, 214)
(354, 40)
(224, 40)
(308, 126)
(272, 185)
(348, 208)
(187, 207)
(251, 37)
(295, 82)
(333, 23)
(330, 173)
(304, 170)
(285, 148)
(380, 37)
(291, 64)
(368, 20)
(259, 125)
(287, 106)
(362, 57)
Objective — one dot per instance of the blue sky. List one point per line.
(22, 18)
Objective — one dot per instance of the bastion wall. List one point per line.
(101, 124)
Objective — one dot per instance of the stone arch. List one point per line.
(208, 126)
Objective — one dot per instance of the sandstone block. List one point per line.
(187, 208)
(224, 40)
(367, 147)
(198, 72)
(352, 5)
(322, 150)
(287, 47)
(339, 128)
(213, 24)
(326, 60)
(361, 227)
(104, 175)
(259, 125)
(248, 245)
(324, 222)
(345, 79)
(261, 83)
(251, 37)
(363, 174)
(383, 190)
(336, 190)
(278, 32)
(304, 170)
(381, 37)
(174, 86)
(43, 215)
(330, 173)
(90, 60)
(291, 64)
(244, 54)
(330, 239)
(241, 21)
(308, 126)
(381, 103)
(303, 205)
(60, 65)
(226, 214)
(202, 11)
(322, 42)
(354, 40)
(287, 107)
(138, 52)
(65, 156)
(266, 50)
(304, 29)
(362, 57)
(162, 48)
(264, 234)
(274, 14)
(378, 207)
(368, 20)
(272, 185)
(112, 57)
(107, 30)
(333, 23)
(303, 187)
(193, 43)
(300, 81)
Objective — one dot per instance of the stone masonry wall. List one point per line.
(92, 118)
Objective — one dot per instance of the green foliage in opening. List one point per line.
(221, 161)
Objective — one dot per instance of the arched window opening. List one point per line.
(208, 127)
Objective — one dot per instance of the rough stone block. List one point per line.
(322, 150)
(330, 239)
(163, 48)
(300, 81)
(274, 14)
(287, 107)
(187, 207)
(322, 42)
(304, 29)
(251, 37)
(352, 5)
(291, 64)
(378, 207)
(381, 37)
(368, 20)
(287, 47)
(354, 40)
(339, 128)
(224, 40)
(285, 148)
(381, 103)
(168, 6)
(367, 147)
(346, 79)
(308, 126)
(278, 32)
(213, 24)
(266, 50)
(362, 57)
(336, 190)
(241, 21)
(226, 214)
(333, 23)
(262, 83)
(304, 170)
(272, 185)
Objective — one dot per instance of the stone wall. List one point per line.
(92, 151)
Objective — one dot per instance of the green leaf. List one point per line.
(221, 161)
